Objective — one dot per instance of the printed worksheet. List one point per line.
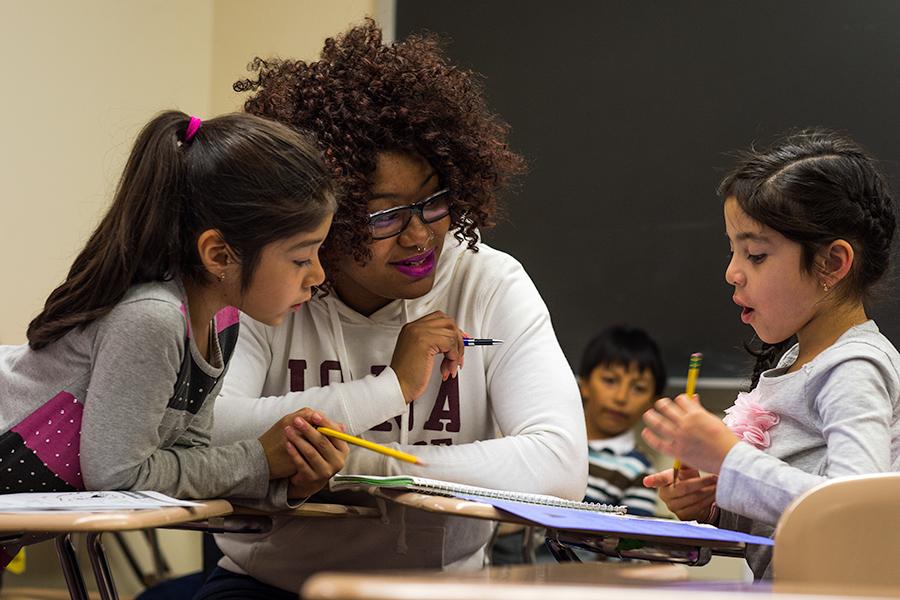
(87, 501)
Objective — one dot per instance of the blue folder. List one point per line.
(618, 525)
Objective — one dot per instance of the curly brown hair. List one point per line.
(362, 98)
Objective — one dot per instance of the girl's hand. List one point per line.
(316, 457)
(684, 429)
(419, 342)
(690, 497)
(281, 462)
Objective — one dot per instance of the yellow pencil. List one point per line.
(693, 373)
(350, 439)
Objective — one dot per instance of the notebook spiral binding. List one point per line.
(445, 488)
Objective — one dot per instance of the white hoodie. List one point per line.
(511, 420)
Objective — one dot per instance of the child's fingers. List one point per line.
(331, 450)
(319, 439)
(661, 424)
(319, 420)
(691, 497)
(656, 442)
(687, 472)
(689, 486)
(669, 409)
(303, 472)
(308, 448)
(686, 404)
(661, 479)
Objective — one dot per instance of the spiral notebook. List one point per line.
(445, 488)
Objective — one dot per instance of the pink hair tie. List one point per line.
(192, 128)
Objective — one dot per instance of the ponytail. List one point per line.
(253, 180)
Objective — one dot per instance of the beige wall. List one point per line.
(82, 77)
(286, 29)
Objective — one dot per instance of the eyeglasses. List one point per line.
(392, 221)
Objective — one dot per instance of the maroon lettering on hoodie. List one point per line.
(444, 413)
(326, 369)
(446, 408)
(297, 370)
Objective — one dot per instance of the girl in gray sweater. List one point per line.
(810, 223)
(115, 387)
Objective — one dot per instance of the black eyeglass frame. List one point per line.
(411, 209)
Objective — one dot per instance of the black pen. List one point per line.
(481, 342)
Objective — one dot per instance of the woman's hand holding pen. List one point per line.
(417, 345)
(295, 449)
(690, 497)
(684, 429)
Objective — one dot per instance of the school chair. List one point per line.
(843, 533)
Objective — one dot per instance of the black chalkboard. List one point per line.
(626, 112)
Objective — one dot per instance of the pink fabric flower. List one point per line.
(750, 421)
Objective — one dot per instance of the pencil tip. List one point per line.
(421, 462)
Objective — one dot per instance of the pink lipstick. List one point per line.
(417, 266)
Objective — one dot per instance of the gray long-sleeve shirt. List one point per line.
(840, 416)
(126, 402)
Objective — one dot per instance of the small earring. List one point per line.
(222, 276)
(420, 249)
(825, 286)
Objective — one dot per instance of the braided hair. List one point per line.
(814, 187)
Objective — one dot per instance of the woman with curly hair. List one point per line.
(419, 162)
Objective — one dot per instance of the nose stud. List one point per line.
(430, 237)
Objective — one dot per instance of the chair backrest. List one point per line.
(845, 532)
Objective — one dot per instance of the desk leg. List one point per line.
(102, 573)
(69, 563)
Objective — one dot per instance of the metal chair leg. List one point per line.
(161, 569)
(69, 563)
(561, 552)
(100, 566)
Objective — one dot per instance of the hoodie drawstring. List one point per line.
(337, 334)
(404, 418)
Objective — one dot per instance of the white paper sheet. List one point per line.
(87, 501)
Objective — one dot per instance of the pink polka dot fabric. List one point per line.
(53, 434)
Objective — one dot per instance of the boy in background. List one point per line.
(621, 375)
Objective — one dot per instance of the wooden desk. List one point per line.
(124, 520)
(570, 581)
(211, 516)
(62, 524)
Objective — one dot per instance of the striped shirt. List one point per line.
(615, 473)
